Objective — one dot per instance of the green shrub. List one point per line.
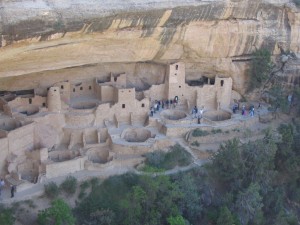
(6, 216)
(260, 68)
(51, 190)
(176, 220)
(199, 133)
(155, 159)
(236, 130)
(69, 186)
(176, 156)
(59, 213)
(216, 131)
(81, 194)
(195, 143)
(151, 169)
(297, 2)
(84, 185)
(94, 182)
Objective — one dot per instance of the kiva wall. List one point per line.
(64, 168)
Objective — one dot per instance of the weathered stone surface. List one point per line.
(212, 37)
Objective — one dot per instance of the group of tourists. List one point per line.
(236, 107)
(162, 104)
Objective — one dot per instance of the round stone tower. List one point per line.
(53, 99)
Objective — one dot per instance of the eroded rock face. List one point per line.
(212, 37)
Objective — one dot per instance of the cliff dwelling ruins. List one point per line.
(89, 125)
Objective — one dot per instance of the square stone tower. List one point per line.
(175, 82)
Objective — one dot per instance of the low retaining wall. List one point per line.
(64, 168)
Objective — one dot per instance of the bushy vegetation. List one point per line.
(51, 190)
(6, 216)
(159, 160)
(83, 187)
(199, 133)
(216, 131)
(297, 2)
(69, 186)
(260, 68)
(256, 183)
(58, 214)
(138, 200)
(253, 183)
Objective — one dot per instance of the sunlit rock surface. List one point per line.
(88, 38)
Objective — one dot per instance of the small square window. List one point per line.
(81, 88)
(179, 86)
(62, 87)
(90, 87)
(123, 106)
(44, 104)
(73, 89)
(30, 101)
(143, 105)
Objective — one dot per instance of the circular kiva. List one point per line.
(173, 114)
(218, 115)
(136, 135)
(98, 155)
(27, 110)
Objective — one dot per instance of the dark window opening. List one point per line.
(115, 79)
(90, 87)
(176, 67)
(81, 88)
(205, 80)
(48, 89)
(179, 86)
(62, 87)
(54, 89)
(143, 105)
(123, 106)
(30, 101)
(212, 81)
(73, 89)
(44, 104)
(222, 83)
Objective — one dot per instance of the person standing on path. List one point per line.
(12, 191)
(2, 184)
